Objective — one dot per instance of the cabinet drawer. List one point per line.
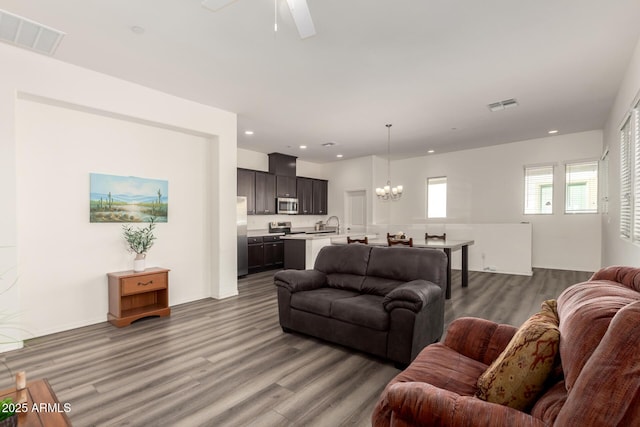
(253, 240)
(271, 239)
(146, 283)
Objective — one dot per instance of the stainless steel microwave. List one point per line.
(286, 205)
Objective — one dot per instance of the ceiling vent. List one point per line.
(502, 105)
(22, 32)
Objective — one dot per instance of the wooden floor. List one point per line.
(227, 363)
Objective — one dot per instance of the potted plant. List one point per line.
(8, 416)
(139, 241)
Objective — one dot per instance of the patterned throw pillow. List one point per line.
(517, 377)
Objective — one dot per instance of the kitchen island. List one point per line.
(301, 250)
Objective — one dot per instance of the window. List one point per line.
(538, 190)
(630, 177)
(581, 195)
(625, 180)
(437, 197)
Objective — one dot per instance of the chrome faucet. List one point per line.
(337, 219)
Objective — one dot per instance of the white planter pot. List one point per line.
(139, 263)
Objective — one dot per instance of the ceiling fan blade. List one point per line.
(216, 4)
(302, 17)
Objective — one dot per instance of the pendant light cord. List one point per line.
(275, 16)
(388, 125)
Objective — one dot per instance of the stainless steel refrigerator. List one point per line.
(241, 224)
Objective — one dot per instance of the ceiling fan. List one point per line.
(299, 11)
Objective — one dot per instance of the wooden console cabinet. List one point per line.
(133, 296)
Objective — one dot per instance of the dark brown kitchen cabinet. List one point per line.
(255, 252)
(247, 188)
(282, 164)
(286, 186)
(265, 193)
(320, 196)
(266, 252)
(273, 251)
(305, 196)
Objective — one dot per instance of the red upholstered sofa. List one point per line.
(598, 383)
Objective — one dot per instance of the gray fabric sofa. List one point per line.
(386, 301)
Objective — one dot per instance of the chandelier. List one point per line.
(388, 192)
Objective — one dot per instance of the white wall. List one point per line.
(486, 186)
(56, 237)
(130, 117)
(616, 251)
(349, 175)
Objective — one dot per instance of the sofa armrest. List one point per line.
(412, 295)
(479, 339)
(300, 280)
(417, 403)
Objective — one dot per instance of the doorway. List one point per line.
(356, 211)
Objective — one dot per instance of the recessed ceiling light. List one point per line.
(553, 131)
(248, 132)
(137, 30)
(303, 147)
(339, 156)
(431, 151)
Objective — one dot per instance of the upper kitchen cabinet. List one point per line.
(305, 196)
(320, 195)
(247, 188)
(282, 164)
(286, 186)
(265, 193)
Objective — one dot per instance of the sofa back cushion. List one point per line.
(344, 265)
(607, 392)
(585, 311)
(379, 285)
(392, 266)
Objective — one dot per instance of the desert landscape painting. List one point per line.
(116, 198)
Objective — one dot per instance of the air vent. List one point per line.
(329, 144)
(28, 34)
(501, 105)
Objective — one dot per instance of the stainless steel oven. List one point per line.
(286, 205)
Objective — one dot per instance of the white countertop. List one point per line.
(331, 236)
(261, 233)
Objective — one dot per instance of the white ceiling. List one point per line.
(430, 67)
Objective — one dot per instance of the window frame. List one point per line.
(629, 214)
(427, 195)
(545, 185)
(585, 183)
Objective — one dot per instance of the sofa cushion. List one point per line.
(444, 368)
(407, 264)
(607, 391)
(550, 403)
(352, 282)
(343, 259)
(379, 285)
(319, 301)
(362, 310)
(585, 310)
(517, 377)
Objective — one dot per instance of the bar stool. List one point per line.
(364, 241)
(405, 242)
(442, 236)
